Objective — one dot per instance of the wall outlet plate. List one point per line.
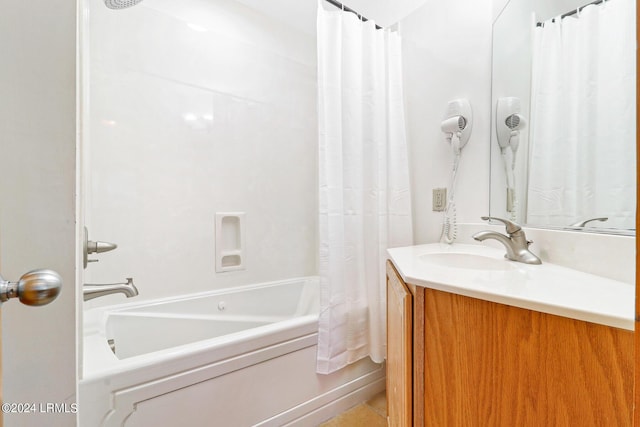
(439, 199)
(511, 196)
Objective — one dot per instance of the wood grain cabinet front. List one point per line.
(399, 352)
(479, 363)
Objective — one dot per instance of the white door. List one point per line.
(38, 207)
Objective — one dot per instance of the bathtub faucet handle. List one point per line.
(100, 247)
(94, 247)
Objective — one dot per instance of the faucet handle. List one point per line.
(511, 226)
(91, 247)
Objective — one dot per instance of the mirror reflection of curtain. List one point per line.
(365, 202)
(583, 151)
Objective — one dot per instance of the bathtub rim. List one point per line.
(193, 295)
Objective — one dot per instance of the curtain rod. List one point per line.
(573, 12)
(348, 9)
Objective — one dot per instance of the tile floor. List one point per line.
(372, 413)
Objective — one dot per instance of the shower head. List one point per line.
(120, 4)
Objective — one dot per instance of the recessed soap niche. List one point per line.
(230, 241)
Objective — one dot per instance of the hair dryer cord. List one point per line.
(449, 224)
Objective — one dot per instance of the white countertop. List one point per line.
(547, 288)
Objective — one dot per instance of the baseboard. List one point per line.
(332, 403)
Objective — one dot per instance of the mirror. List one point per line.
(563, 138)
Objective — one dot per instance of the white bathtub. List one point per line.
(235, 357)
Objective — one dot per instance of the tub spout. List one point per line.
(515, 243)
(585, 222)
(91, 291)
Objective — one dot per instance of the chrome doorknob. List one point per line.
(37, 287)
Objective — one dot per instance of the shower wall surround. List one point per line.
(198, 107)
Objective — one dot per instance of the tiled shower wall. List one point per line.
(197, 107)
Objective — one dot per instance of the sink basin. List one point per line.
(466, 261)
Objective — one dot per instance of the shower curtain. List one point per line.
(583, 151)
(364, 205)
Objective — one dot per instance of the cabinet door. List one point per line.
(498, 365)
(399, 350)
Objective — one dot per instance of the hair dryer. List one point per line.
(457, 123)
(453, 127)
(515, 122)
(456, 126)
(509, 123)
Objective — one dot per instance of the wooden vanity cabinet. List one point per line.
(399, 351)
(478, 363)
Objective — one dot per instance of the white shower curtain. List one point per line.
(583, 154)
(364, 205)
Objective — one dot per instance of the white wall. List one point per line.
(447, 55)
(199, 107)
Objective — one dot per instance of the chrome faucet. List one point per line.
(94, 291)
(585, 222)
(516, 242)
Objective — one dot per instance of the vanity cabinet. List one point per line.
(399, 352)
(472, 362)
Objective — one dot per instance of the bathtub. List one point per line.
(240, 356)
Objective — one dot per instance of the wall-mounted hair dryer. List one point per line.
(457, 123)
(509, 123)
(457, 129)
